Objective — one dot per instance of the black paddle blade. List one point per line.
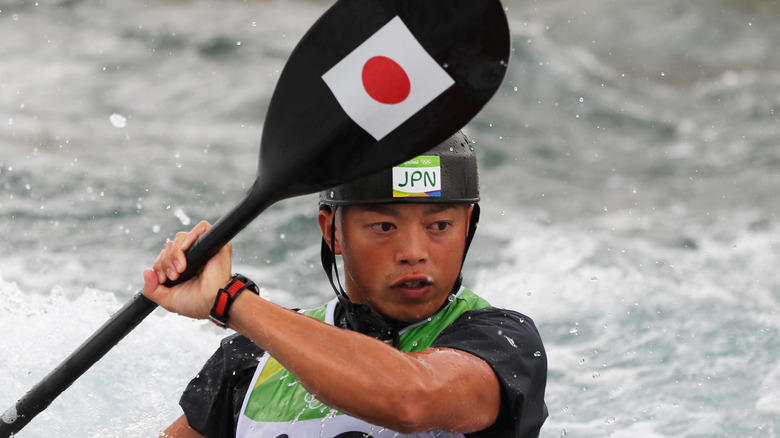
(452, 56)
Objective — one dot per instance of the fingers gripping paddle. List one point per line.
(373, 83)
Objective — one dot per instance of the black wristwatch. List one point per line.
(226, 296)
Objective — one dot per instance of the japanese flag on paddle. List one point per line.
(386, 79)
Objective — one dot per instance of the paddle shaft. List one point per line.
(128, 317)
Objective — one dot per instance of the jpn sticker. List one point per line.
(419, 176)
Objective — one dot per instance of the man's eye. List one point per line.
(383, 226)
(440, 226)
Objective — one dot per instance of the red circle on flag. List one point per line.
(385, 81)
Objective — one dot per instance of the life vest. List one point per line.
(277, 406)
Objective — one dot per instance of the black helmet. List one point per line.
(445, 174)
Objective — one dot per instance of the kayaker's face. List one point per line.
(401, 260)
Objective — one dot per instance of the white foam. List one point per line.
(133, 391)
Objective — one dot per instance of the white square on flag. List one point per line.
(386, 79)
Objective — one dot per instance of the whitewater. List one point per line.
(629, 175)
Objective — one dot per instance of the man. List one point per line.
(405, 350)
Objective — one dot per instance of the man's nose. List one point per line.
(412, 246)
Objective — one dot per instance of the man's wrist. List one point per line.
(227, 296)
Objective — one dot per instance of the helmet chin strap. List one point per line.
(360, 318)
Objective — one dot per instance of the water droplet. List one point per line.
(609, 420)
(118, 120)
(574, 331)
(155, 228)
(182, 216)
(537, 353)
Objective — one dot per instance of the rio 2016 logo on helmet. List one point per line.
(446, 174)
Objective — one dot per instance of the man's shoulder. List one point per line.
(499, 314)
(496, 324)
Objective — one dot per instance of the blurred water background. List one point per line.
(630, 177)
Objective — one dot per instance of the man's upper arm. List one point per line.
(466, 395)
(511, 345)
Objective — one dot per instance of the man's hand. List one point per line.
(195, 297)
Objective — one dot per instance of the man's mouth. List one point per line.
(414, 284)
(414, 287)
(414, 281)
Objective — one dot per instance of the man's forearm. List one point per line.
(366, 378)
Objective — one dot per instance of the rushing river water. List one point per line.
(629, 168)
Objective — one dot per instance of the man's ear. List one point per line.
(325, 218)
(470, 213)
